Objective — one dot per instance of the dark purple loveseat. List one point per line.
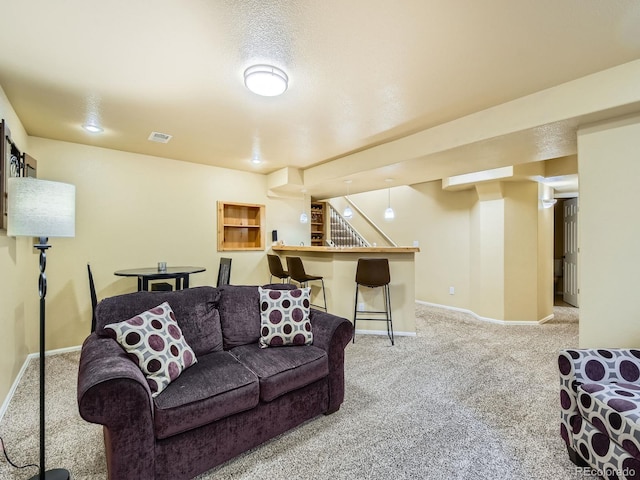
(236, 397)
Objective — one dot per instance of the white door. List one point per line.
(570, 271)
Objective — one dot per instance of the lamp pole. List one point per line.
(56, 473)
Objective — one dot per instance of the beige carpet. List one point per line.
(463, 399)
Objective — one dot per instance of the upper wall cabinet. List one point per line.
(240, 226)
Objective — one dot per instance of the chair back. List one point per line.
(94, 299)
(373, 272)
(296, 269)
(275, 266)
(224, 272)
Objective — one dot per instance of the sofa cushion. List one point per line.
(614, 409)
(284, 317)
(218, 386)
(195, 309)
(239, 308)
(283, 370)
(155, 343)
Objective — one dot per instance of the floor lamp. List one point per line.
(42, 209)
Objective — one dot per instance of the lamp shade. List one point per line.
(40, 208)
(389, 214)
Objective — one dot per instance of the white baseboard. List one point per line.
(384, 332)
(12, 390)
(487, 319)
(18, 378)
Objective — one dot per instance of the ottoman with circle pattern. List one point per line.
(600, 409)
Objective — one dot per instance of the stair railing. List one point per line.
(342, 233)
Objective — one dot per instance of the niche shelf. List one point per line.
(240, 226)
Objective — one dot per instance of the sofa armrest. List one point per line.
(113, 392)
(332, 334)
(580, 366)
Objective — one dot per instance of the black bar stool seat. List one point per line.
(275, 268)
(298, 274)
(374, 273)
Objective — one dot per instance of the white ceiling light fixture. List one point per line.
(92, 128)
(347, 213)
(266, 80)
(389, 214)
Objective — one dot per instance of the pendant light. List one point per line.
(389, 214)
(347, 213)
(303, 216)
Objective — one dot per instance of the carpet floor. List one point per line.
(463, 399)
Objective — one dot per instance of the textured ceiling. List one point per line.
(362, 72)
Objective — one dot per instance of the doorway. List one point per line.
(565, 252)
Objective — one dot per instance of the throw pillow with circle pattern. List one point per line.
(154, 341)
(284, 317)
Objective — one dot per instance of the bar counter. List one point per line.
(338, 267)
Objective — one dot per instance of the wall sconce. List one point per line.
(548, 202)
(347, 213)
(389, 214)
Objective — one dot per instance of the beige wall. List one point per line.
(135, 210)
(18, 293)
(487, 263)
(608, 233)
(492, 244)
(131, 210)
(440, 221)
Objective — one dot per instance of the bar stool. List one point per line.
(374, 273)
(275, 268)
(297, 273)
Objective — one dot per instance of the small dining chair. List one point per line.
(224, 272)
(94, 299)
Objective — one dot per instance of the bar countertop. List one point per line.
(304, 248)
(338, 266)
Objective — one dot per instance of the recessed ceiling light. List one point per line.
(266, 80)
(92, 128)
(256, 160)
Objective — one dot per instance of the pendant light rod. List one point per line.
(389, 214)
(303, 216)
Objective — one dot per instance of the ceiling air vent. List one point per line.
(159, 137)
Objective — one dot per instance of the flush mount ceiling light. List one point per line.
(92, 128)
(266, 80)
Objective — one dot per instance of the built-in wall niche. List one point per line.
(13, 163)
(240, 226)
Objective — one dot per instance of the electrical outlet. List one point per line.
(361, 306)
(452, 291)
